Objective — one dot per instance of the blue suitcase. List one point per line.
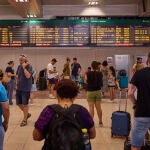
(123, 82)
(121, 121)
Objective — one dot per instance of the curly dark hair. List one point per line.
(67, 89)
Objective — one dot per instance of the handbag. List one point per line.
(6, 78)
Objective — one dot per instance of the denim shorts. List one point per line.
(140, 127)
(22, 97)
(2, 132)
(74, 78)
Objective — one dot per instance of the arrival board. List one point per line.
(75, 32)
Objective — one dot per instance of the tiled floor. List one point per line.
(20, 138)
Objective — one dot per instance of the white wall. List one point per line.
(101, 10)
(49, 11)
(41, 56)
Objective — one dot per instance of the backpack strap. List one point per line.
(57, 108)
(72, 109)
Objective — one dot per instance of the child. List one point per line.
(80, 81)
(112, 82)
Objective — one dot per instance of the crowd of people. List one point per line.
(99, 79)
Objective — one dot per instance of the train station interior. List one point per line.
(117, 31)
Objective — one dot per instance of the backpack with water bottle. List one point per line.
(65, 130)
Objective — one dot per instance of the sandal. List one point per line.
(28, 116)
(23, 123)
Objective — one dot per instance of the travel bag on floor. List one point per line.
(42, 83)
(121, 121)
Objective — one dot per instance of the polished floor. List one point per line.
(20, 138)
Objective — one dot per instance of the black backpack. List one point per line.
(64, 130)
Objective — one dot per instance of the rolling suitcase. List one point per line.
(42, 83)
(121, 121)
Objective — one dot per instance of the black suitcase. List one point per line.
(42, 83)
(127, 144)
(121, 121)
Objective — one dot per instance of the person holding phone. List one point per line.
(24, 84)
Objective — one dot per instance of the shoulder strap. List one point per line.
(58, 109)
(74, 108)
(66, 112)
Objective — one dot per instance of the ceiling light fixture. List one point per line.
(31, 16)
(92, 2)
(22, 1)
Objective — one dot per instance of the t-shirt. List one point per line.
(111, 81)
(42, 124)
(24, 84)
(105, 74)
(3, 98)
(75, 69)
(94, 80)
(138, 66)
(9, 69)
(66, 70)
(50, 67)
(141, 80)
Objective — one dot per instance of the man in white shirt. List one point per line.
(51, 75)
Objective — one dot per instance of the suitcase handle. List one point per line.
(126, 93)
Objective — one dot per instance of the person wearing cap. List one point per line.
(24, 84)
(140, 82)
(51, 77)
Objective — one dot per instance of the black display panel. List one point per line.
(75, 32)
(120, 32)
(59, 33)
(14, 33)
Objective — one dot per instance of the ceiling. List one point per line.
(36, 6)
(79, 2)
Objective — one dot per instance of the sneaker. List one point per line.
(101, 124)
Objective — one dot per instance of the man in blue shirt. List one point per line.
(24, 84)
(4, 111)
(75, 70)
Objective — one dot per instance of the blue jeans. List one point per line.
(2, 132)
(140, 127)
(10, 89)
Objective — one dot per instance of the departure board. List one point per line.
(120, 32)
(13, 33)
(59, 33)
(87, 31)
